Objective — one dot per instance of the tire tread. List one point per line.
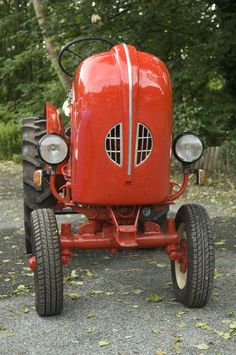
(201, 256)
(48, 274)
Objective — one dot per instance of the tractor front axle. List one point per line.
(94, 235)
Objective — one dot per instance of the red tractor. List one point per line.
(112, 164)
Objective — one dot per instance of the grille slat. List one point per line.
(143, 144)
(113, 144)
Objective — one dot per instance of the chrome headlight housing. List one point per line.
(188, 147)
(53, 149)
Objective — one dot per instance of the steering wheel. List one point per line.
(67, 48)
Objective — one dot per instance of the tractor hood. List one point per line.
(121, 129)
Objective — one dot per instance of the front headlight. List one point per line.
(188, 147)
(53, 149)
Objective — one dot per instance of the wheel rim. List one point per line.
(181, 265)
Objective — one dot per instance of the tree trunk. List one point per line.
(51, 50)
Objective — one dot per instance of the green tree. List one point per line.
(196, 40)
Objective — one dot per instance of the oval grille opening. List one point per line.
(143, 144)
(113, 144)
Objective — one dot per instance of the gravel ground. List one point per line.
(111, 291)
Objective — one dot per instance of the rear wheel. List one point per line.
(48, 273)
(34, 128)
(193, 274)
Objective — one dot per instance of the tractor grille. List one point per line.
(143, 144)
(113, 144)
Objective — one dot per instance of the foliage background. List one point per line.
(195, 38)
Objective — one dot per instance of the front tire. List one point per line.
(193, 275)
(33, 129)
(48, 274)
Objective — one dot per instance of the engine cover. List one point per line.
(121, 129)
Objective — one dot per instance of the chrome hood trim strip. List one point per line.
(130, 79)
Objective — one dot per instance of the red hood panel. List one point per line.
(106, 88)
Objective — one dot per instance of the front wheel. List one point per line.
(48, 275)
(193, 274)
(33, 129)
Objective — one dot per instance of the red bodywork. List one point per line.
(101, 100)
(54, 120)
(109, 89)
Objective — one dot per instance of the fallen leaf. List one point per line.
(91, 314)
(89, 273)
(74, 296)
(230, 314)
(103, 343)
(220, 242)
(157, 331)
(114, 330)
(232, 325)
(224, 335)
(97, 292)
(203, 325)
(181, 325)
(168, 285)
(217, 274)
(180, 313)
(176, 341)
(226, 321)
(137, 292)
(153, 297)
(30, 274)
(76, 283)
(161, 265)
(8, 333)
(202, 346)
(74, 274)
(22, 289)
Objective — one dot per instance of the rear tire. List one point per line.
(48, 273)
(193, 280)
(33, 129)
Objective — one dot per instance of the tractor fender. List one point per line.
(54, 120)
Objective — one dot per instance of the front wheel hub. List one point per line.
(183, 255)
(32, 263)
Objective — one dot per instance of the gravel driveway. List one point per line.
(106, 307)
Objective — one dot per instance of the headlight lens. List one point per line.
(53, 149)
(188, 147)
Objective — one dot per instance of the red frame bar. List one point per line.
(106, 238)
(182, 188)
(98, 241)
